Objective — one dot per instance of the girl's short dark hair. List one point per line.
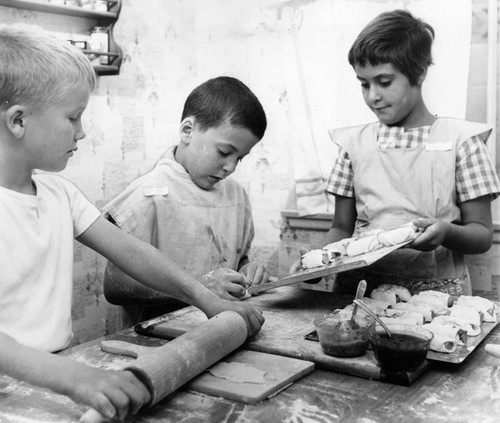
(225, 100)
(398, 38)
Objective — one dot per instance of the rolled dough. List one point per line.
(238, 372)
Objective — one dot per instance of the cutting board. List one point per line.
(289, 313)
(275, 372)
(340, 264)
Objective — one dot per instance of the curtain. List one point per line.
(323, 93)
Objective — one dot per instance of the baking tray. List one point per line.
(459, 355)
(340, 264)
(462, 352)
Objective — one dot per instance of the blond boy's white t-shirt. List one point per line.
(36, 260)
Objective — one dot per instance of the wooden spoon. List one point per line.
(360, 292)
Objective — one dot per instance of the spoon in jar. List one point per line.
(369, 311)
(360, 292)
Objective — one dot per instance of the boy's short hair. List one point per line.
(37, 68)
(395, 37)
(225, 100)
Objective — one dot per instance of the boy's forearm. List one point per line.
(36, 367)
(156, 271)
(148, 265)
(121, 289)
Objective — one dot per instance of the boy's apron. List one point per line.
(396, 185)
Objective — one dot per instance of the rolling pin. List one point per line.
(180, 360)
(493, 349)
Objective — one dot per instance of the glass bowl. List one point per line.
(406, 350)
(339, 337)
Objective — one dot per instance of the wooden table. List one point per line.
(468, 392)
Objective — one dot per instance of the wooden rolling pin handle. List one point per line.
(493, 350)
(180, 360)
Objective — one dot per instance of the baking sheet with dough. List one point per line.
(463, 351)
(341, 264)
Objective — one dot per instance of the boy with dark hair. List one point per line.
(188, 208)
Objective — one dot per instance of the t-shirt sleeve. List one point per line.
(83, 212)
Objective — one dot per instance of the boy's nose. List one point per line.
(80, 134)
(230, 166)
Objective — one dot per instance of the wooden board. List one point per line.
(278, 372)
(289, 313)
(459, 355)
(341, 264)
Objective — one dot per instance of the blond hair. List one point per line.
(37, 68)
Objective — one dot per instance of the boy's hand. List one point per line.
(255, 273)
(226, 283)
(253, 317)
(432, 236)
(114, 394)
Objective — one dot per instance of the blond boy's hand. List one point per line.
(255, 273)
(252, 316)
(114, 394)
(226, 283)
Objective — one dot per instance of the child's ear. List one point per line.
(15, 117)
(422, 77)
(186, 129)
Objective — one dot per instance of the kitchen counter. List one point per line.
(445, 392)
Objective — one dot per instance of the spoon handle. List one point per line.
(360, 292)
(371, 313)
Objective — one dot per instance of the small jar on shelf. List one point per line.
(99, 42)
(97, 5)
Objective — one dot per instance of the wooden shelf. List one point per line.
(57, 9)
(106, 69)
(99, 18)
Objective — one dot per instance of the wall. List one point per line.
(169, 48)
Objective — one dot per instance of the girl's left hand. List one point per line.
(433, 234)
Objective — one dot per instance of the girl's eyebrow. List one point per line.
(378, 76)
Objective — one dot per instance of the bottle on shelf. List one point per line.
(99, 41)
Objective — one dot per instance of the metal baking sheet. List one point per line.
(462, 352)
(341, 264)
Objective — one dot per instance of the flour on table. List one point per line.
(238, 372)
